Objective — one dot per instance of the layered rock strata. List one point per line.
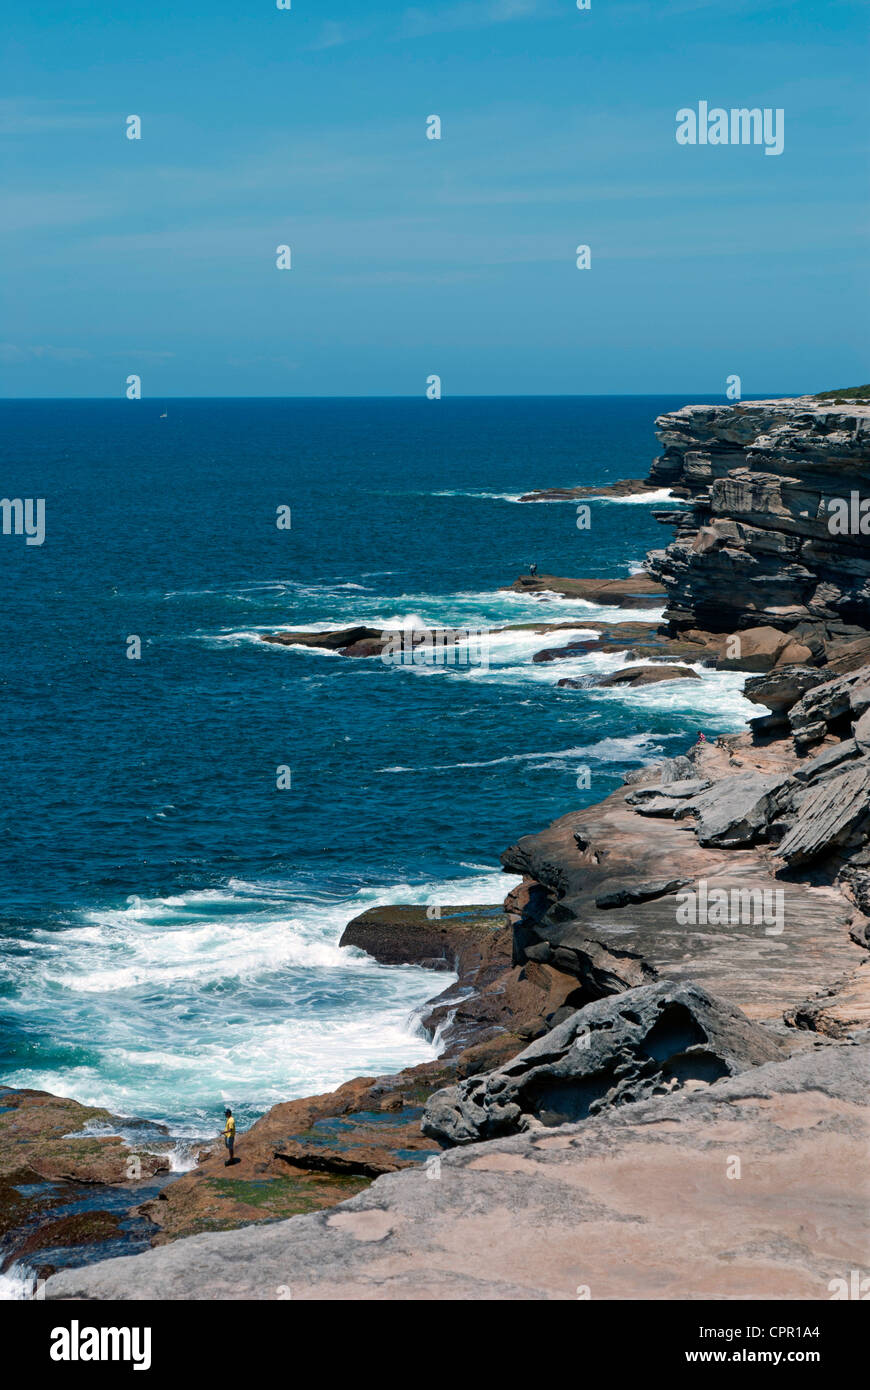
(776, 525)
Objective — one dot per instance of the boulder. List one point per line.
(624, 1048)
(678, 769)
(861, 731)
(827, 707)
(783, 687)
(760, 649)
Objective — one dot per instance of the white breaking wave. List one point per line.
(633, 748)
(17, 1284)
(478, 610)
(470, 492)
(662, 494)
(238, 995)
(653, 496)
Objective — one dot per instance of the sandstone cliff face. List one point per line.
(767, 531)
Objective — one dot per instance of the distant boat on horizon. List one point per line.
(164, 415)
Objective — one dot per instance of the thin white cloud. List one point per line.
(334, 34)
(45, 118)
(12, 354)
(480, 14)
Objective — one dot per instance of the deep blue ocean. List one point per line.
(170, 918)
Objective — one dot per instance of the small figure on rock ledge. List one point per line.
(229, 1136)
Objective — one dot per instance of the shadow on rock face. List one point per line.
(627, 1047)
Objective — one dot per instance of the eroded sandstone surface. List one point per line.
(756, 1187)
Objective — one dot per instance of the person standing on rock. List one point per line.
(533, 568)
(229, 1135)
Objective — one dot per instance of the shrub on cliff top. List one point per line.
(849, 393)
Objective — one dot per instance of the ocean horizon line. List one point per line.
(469, 396)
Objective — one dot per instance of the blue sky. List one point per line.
(306, 127)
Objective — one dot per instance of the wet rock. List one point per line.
(493, 995)
(617, 1050)
(69, 1185)
(625, 487)
(53, 1137)
(397, 935)
(336, 641)
(637, 591)
(638, 641)
(361, 641)
(646, 675)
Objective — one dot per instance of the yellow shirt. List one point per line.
(230, 1129)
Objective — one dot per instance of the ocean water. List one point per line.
(169, 918)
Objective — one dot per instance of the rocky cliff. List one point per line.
(770, 572)
(775, 525)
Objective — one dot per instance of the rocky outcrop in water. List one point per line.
(624, 487)
(637, 591)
